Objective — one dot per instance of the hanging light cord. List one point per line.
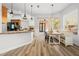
(25, 9)
(11, 12)
(24, 17)
(31, 11)
(11, 6)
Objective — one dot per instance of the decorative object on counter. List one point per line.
(25, 29)
(31, 28)
(24, 17)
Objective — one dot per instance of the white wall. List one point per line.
(71, 17)
(71, 10)
(74, 9)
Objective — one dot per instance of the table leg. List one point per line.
(59, 38)
(49, 39)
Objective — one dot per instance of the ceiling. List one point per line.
(44, 8)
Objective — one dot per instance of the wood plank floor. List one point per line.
(40, 48)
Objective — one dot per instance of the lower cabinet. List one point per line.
(67, 39)
(76, 40)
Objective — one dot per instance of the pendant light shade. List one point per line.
(52, 5)
(24, 17)
(31, 18)
(11, 12)
(37, 6)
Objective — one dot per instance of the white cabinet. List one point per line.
(76, 40)
(14, 40)
(68, 40)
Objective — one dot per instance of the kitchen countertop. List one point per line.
(16, 32)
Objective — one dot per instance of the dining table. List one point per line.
(56, 34)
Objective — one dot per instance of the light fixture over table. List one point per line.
(37, 6)
(52, 5)
(24, 17)
(11, 8)
(31, 12)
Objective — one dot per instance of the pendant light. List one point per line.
(24, 17)
(11, 8)
(31, 12)
(51, 8)
(37, 6)
(52, 5)
(51, 15)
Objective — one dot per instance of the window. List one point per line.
(56, 23)
(41, 27)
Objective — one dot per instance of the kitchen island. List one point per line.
(14, 39)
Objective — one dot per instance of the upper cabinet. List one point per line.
(4, 14)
